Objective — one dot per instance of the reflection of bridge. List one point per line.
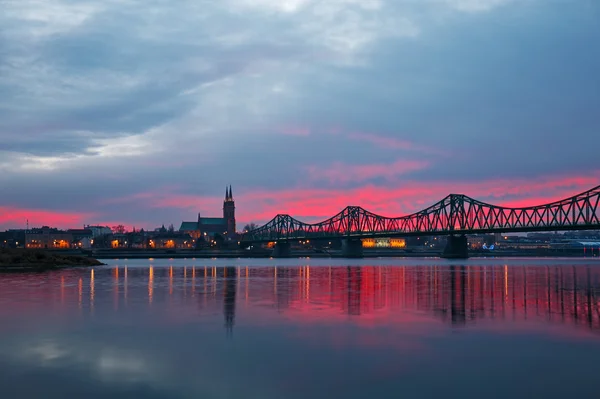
(457, 295)
(454, 216)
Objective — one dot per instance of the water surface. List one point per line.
(385, 328)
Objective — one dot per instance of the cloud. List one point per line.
(477, 5)
(39, 18)
(313, 205)
(18, 218)
(109, 99)
(341, 173)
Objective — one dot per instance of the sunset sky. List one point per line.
(140, 112)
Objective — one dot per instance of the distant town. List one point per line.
(215, 232)
(221, 233)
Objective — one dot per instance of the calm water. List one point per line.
(303, 329)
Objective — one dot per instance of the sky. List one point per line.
(140, 112)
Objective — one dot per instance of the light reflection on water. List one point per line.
(180, 328)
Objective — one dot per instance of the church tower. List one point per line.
(229, 212)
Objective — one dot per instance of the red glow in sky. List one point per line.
(313, 204)
(17, 218)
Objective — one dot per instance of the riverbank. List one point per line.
(19, 260)
(39, 260)
(368, 253)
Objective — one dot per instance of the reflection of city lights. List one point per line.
(307, 283)
(464, 293)
(62, 289)
(150, 284)
(80, 291)
(92, 289)
(505, 282)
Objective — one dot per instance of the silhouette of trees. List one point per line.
(102, 241)
(250, 226)
(120, 229)
(200, 242)
(219, 240)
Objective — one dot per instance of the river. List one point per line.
(303, 328)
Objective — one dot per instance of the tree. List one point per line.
(219, 240)
(250, 226)
(200, 242)
(102, 241)
(120, 229)
(171, 228)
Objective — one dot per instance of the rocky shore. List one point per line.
(16, 260)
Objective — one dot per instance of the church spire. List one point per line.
(228, 194)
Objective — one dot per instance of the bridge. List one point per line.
(454, 216)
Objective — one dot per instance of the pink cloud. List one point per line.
(318, 204)
(392, 143)
(340, 172)
(315, 204)
(384, 142)
(381, 141)
(12, 217)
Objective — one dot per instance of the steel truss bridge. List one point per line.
(456, 214)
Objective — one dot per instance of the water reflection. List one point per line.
(457, 295)
(298, 332)
(230, 288)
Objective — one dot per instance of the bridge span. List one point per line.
(454, 216)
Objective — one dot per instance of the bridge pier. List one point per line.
(352, 248)
(457, 247)
(282, 249)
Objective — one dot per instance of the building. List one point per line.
(82, 238)
(47, 238)
(497, 238)
(476, 241)
(209, 227)
(174, 240)
(397, 243)
(12, 238)
(98, 231)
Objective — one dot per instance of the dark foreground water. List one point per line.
(303, 329)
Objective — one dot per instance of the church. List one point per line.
(209, 227)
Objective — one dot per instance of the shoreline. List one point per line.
(38, 268)
(34, 260)
(309, 254)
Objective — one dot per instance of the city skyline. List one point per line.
(140, 116)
